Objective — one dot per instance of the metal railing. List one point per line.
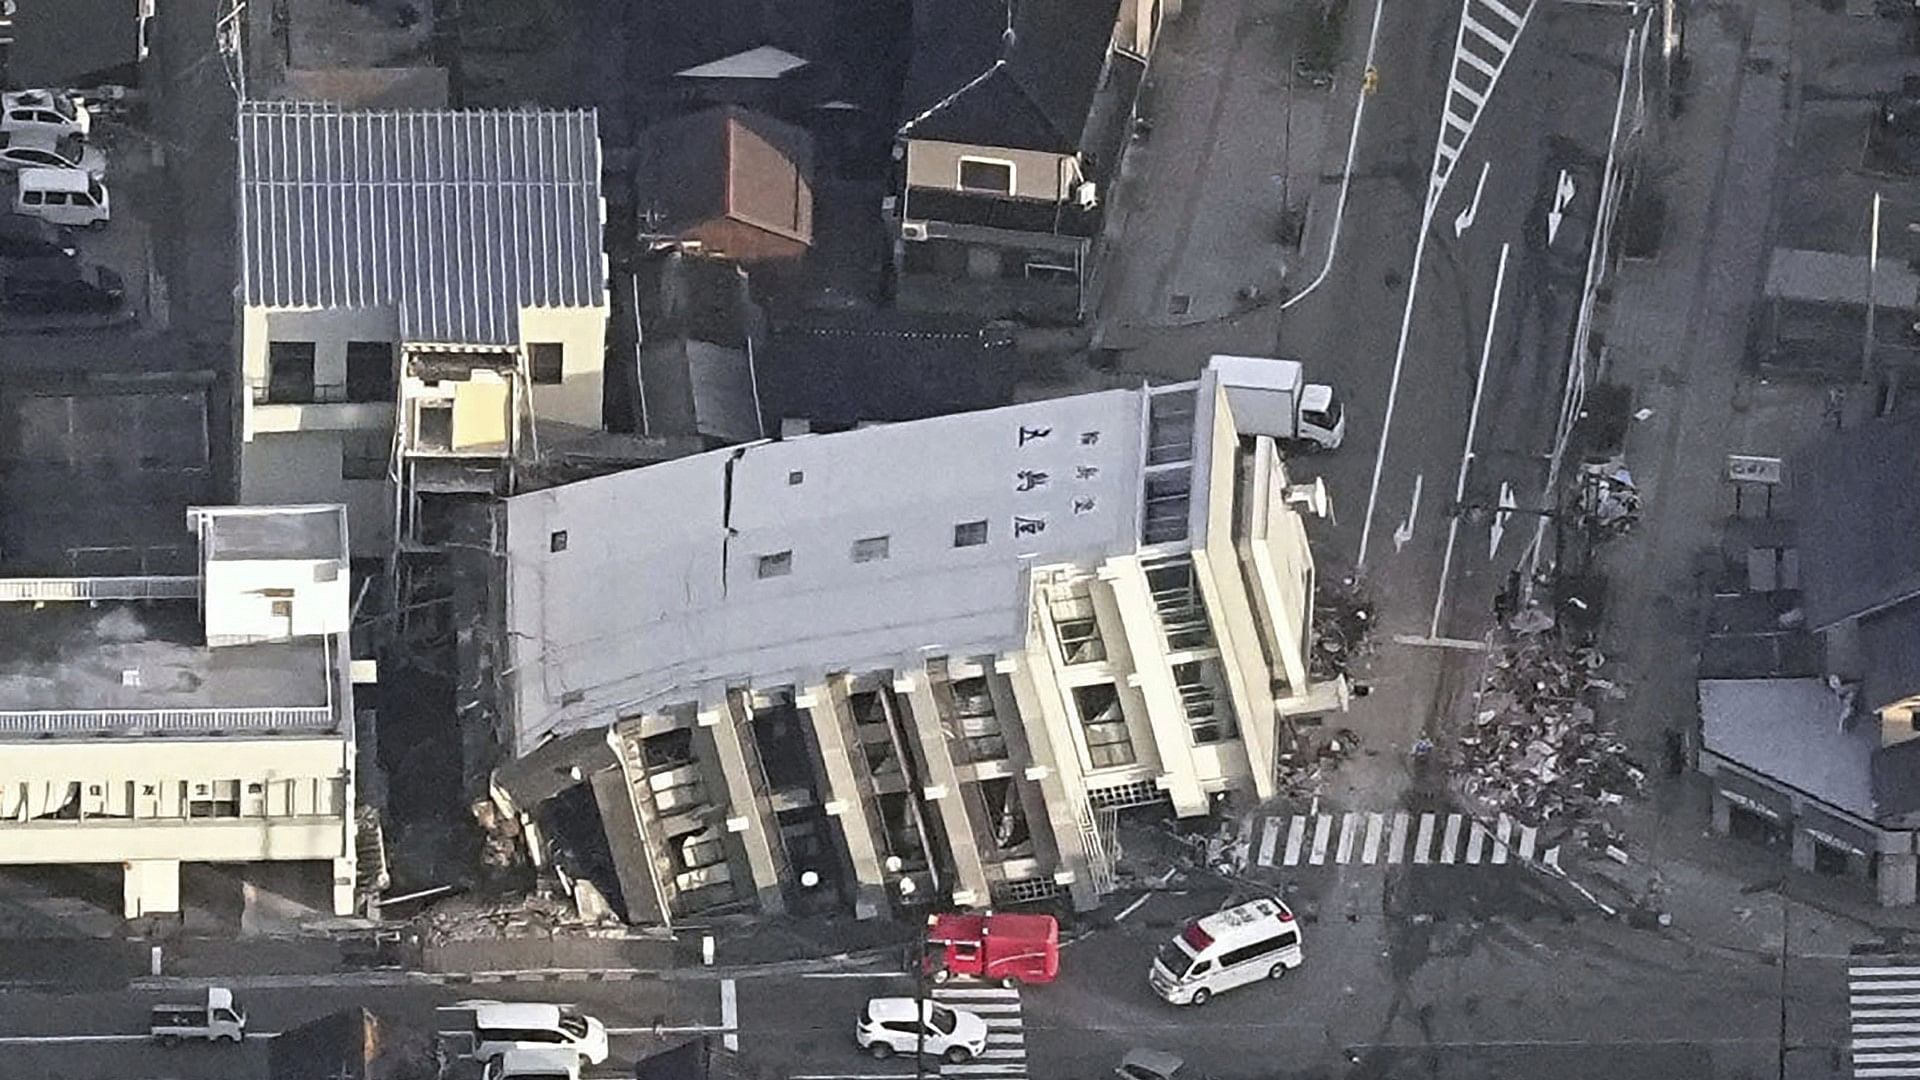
(145, 587)
(58, 722)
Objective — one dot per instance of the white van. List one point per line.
(1257, 940)
(62, 196)
(484, 1030)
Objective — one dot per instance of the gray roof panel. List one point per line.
(458, 219)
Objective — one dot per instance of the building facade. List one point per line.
(944, 651)
(403, 274)
(155, 721)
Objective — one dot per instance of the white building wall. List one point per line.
(239, 604)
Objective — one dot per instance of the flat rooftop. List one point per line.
(147, 655)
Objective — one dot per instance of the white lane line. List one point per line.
(1322, 831)
(1397, 847)
(1529, 836)
(52, 1040)
(1425, 839)
(1269, 840)
(853, 974)
(1477, 836)
(1296, 833)
(730, 1014)
(1349, 825)
(1002, 992)
(1370, 851)
(1501, 841)
(1131, 908)
(1450, 847)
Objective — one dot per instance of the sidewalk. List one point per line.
(1194, 239)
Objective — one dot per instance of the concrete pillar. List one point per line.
(825, 704)
(1153, 678)
(1899, 874)
(345, 877)
(1065, 800)
(747, 816)
(1722, 813)
(941, 786)
(152, 887)
(1802, 849)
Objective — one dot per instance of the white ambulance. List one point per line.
(1257, 940)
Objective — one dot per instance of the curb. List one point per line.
(398, 977)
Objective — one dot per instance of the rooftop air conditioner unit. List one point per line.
(1312, 496)
(1087, 195)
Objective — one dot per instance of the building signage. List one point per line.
(1748, 469)
(1833, 841)
(1749, 803)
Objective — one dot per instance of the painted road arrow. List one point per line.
(1405, 532)
(1562, 195)
(1465, 221)
(1507, 503)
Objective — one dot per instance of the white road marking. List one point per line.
(1296, 834)
(1450, 847)
(1465, 219)
(1466, 452)
(1269, 839)
(730, 1014)
(1425, 841)
(1502, 840)
(1529, 836)
(1405, 532)
(1397, 847)
(1349, 826)
(1322, 831)
(1477, 837)
(1131, 908)
(1370, 851)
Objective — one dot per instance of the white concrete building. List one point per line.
(936, 650)
(152, 721)
(435, 273)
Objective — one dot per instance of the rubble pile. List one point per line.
(1536, 750)
(1307, 756)
(470, 919)
(1609, 501)
(1343, 622)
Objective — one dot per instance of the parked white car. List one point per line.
(38, 150)
(888, 1026)
(49, 112)
(63, 197)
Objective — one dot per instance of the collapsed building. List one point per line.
(927, 661)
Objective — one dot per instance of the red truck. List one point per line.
(1008, 949)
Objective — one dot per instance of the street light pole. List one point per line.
(920, 1017)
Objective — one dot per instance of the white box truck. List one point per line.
(1271, 396)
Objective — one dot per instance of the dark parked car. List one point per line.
(57, 285)
(30, 238)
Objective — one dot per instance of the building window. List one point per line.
(1079, 631)
(557, 541)
(289, 372)
(970, 534)
(976, 723)
(545, 362)
(1203, 697)
(1180, 605)
(1169, 499)
(986, 174)
(871, 549)
(795, 478)
(363, 454)
(369, 371)
(778, 564)
(1103, 726)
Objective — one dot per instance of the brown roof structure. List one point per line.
(739, 181)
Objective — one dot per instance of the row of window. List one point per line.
(869, 549)
(370, 371)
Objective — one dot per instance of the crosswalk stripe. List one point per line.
(1425, 839)
(1473, 61)
(1887, 1042)
(1451, 846)
(998, 1068)
(1881, 999)
(1370, 851)
(1501, 841)
(1903, 1025)
(1476, 843)
(1883, 984)
(1858, 972)
(1296, 833)
(1322, 829)
(1002, 1055)
(1005, 1036)
(1902, 1073)
(1398, 846)
(1269, 839)
(989, 1009)
(973, 992)
(1349, 827)
(1529, 836)
(1909, 1013)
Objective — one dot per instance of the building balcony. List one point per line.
(224, 839)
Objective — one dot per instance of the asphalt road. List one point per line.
(1381, 996)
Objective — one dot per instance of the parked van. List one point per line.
(1257, 940)
(62, 196)
(484, 1030)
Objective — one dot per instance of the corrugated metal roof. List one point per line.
(456, 218)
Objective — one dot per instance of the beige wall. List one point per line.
(583, 333)
(304, 467)
(1036, 175)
